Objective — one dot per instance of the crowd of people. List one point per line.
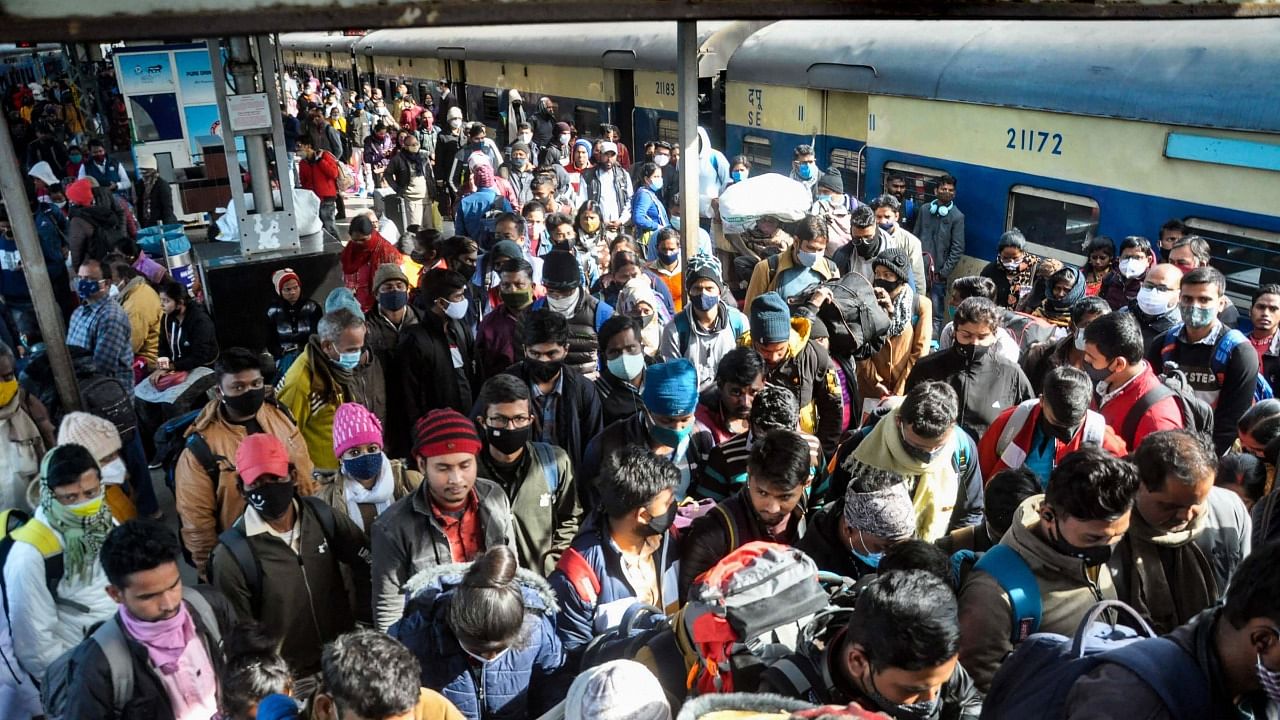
(452, 487)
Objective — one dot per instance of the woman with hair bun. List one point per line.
(485, 634)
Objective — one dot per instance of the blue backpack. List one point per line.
(1035, 680)
(1227, 344)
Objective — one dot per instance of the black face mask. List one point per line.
(247, 404)
(868, 249)
(887, 285)
(466, 271)
(271, 500)
(507, 440)
(662, 523)
(1092, 556)
(544, 370)
(971, 353)
(1062, 434)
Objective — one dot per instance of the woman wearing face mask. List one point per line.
(666, 264)
(1057, 293)
(1046, 355)
(648, 214)
(639, 301)
(486, 635)
(1136, 258)
(739, 169)
(368, 481)
(25, 433)
(1013, 271)
(100, 437)
(1101, 254)
(886, 372)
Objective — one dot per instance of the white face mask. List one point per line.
(661, 160)
(484, 660)
(526, 137)
(563, 306)
(1133, 267)
(1154, 302)
(564, 139)
(113, 473)
(455, 123)
(457, 310)
(114, 292)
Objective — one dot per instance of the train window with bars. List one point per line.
(850, 165)
(490, 107)
(1248, 257)
(922, 182)
(586, 120)
(759, 151)
(669, 131)
(1055, 224)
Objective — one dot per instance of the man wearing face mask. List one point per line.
(986, 382)
(26, 432)
(897, 654)
(363, 255)
(335, 368)
(1047, 355)
(282, 563)
(804, 167)
(940, 227)
(204, 479)
(409, 174)
(387, 324)
(1234, 648)
(498, 342)
(100, 437)
(1156, 306)
(833, 206)
(566, 297)
(625, 552)
(558, 149)
(519, 171)
(543, 125)
(438, 354)
(1220, 364)
(1038, 433)
(448, 142)
(155, 200)
(708, 327)
(1186, 538)
(1136, 258)
(101, 325)
(792, 271)
(537, 476)
(1131, 397)
(1064, 538)
(868, 239)
(850, 535)
(565, 402)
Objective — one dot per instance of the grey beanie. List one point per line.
(617, 690)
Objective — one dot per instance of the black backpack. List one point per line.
(110, 231)
(1197, 415)
(109, 398)
(236, 542)
(858, 326)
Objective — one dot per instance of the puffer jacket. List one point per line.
(526, 681)
(207, 506)
(586, 321)
(142, 305)
(703, 348)
(407, 539)
(580, 604)
(986, 386)
(809, 373)
(1067, 591)
(289, 326)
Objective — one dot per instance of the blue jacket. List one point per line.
(469, 220)
(579, 601)
(51, 227)
(647, 211)
(526, 681)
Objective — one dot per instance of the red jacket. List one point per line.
(1164, 415)
(993, 458)
(360, 263)
(320, 176)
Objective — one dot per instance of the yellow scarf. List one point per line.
(936, 483)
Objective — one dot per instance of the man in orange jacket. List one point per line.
(1038, 433)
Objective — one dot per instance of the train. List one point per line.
(1066, 130)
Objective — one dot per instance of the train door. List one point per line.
(843, 141)
(623, 108)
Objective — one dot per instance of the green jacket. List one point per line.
(546, 520)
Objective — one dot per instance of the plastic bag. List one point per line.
(742, 204)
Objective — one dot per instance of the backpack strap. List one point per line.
(1169, 345)
(682, 331)
(1148, 400)
(737, 321)
(1095, 428)
(1227, 344)
(39, 536)
(1020, 585)
(1170, 671)
(110, 639)
(797, 679)
(204, 455)
(580, 575)
(201, 607)
(324, 513)
(772, 264)
(962, 561)
(236, 542)
(729, 525)
(545, 456)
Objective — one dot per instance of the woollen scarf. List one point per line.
(165, 640)
(936, 484)
(903, 304)
(380, 495)
(82, 537)
(1171, 578)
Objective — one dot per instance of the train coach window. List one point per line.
(669, 131)
(490, 108)
(759, 151)
(922, 182)
(1248, 257)
(1057, 224)
(849, 164)
(586, 120)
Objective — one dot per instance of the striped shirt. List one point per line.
(726, 469)
(103, 327)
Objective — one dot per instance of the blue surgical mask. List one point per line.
(349, 360)
(871, 559)
(807, 259)
(363, 467)
(738, 175)
(656, 183)
(87, 288)
(1197, 318)
(669, 437)
(627, 366)
(805, 171)
(887, 226)
(668, 258)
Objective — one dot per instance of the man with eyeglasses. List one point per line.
(53, 582)
(537, 476)
(1156, 307)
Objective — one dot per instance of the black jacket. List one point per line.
(1153, 326)
(708, 541)
(578, 415)
(192, 341)
(155, 203)
(402, 169)
(618, 399)
(824, 542)
(91, 696)
(1232, 390)
(986, 386)
(428, 377)
(291, 325)
(383, 340)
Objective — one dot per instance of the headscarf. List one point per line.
(639, 290)
(1058, 312)
(82, 537)
(483, 175)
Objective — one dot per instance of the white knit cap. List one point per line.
(97, 435)
(617, 690)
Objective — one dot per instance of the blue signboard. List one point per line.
(195, 77)
(145, 73)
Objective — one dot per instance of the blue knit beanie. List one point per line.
(277, 707)
(671, 388)
(770, 319)
(341, 297)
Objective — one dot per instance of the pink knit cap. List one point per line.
(354, 425)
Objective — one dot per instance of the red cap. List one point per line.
(261, 454)
(443, 432)
(80, 192)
